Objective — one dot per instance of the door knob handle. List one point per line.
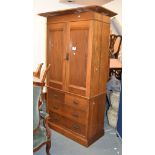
(67, 56)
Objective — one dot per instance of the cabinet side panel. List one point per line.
(95, 62)
(104, 58)
(96, 119)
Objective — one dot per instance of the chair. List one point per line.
(41, 79)
(44, 73)
(114, 48)
(41, 132)
(38, 71)
(115, 45)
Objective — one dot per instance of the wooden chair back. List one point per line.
(38, 71)
(115, 44)
(44, 73)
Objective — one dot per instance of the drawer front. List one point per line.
(74, 126)
(55, 118)
(67, 123)
(75, 114)
(77, 102)
(69, 112)
(56, 107)
(55, 96)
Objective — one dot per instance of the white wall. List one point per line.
(116, 6)
(116, 22)
(39, 40)
(41, 6)
(89, 2)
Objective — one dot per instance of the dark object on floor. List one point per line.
(41, 132)
(113, 93)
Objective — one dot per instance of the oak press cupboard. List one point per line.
(77, 49)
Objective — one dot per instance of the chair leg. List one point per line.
(48, 146)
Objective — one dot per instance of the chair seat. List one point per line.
(41, 132)
(39, 137)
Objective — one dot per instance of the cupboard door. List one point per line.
(55, 54)
(78, 51)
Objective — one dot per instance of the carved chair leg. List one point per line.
(48, 146)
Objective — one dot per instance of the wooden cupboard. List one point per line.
(77, 49)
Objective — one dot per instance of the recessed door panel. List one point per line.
(78, 51)
(55, 55)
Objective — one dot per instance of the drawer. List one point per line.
(75, 114)
(69, 112)
(55, 107)
(67, 123)
(77, 102)
(55, 118)
(55, 96)
(74, 126)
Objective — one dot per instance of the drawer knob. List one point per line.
(66, 56)
(55, 107)
(56, 119)
(75, 103)
(75, 115)
(75, 127)
(55, 96)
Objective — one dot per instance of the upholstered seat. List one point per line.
(39, 137)
(36, 95)
(41, 133)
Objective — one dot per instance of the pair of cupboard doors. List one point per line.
(78, 54)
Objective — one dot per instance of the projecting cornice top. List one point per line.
(93, 8)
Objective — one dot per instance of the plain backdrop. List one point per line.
(16, 67)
